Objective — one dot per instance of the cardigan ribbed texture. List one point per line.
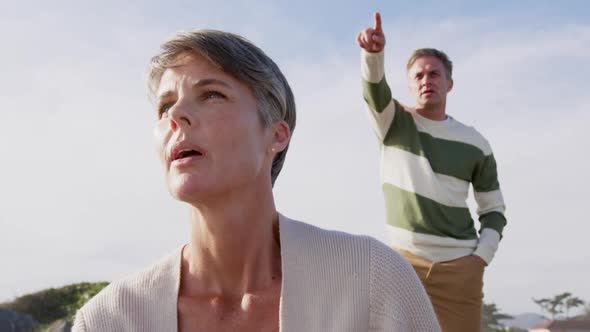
(332, 281)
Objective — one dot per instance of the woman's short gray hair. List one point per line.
(244, 61)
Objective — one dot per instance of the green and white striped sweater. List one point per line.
(426, 169)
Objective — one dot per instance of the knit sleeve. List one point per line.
(486, 188)
(381, 106)
(79, 325)
(490, 206)
(398, 301)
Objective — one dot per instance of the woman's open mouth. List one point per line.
(183, 153)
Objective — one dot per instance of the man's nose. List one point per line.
(425, 81)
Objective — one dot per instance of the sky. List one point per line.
(82, 194)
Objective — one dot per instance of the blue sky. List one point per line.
(82, 195)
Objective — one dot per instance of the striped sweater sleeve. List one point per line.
(376, 92)
(490, 206)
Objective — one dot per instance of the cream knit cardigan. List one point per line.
(332, 281)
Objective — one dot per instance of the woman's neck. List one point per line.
(234, 246)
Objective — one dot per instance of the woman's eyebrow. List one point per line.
(164, 95)
(198, 84)
(210, 81)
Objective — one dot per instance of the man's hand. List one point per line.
(478, 259)
(472, 258)
(372, 39)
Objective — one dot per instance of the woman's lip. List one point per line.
(187, 160)
(179, 146)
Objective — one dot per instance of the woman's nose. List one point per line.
(179, 116)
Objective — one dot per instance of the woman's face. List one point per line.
(209, 134)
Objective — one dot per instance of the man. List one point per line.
(429, 159)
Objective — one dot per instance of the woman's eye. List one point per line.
(213, 95)
(163, 109)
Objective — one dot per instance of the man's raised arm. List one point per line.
(375, 89)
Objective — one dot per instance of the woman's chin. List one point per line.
(189, 190)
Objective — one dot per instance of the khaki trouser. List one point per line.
(455, 289)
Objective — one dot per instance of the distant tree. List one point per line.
(559, 304)
(491, 317)
(572, 302)
(586, 314)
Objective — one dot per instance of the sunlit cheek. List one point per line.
(162, 133)
(413, 88)
(415, 92)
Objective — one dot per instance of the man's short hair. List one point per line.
(244, 61)
(422, 52)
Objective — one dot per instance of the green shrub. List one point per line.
(52, 304)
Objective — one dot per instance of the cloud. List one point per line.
(82, 192)
(523, 89)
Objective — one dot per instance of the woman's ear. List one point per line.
(281, 136)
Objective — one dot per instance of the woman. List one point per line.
(225, 117)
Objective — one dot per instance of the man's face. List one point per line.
(428, 82)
